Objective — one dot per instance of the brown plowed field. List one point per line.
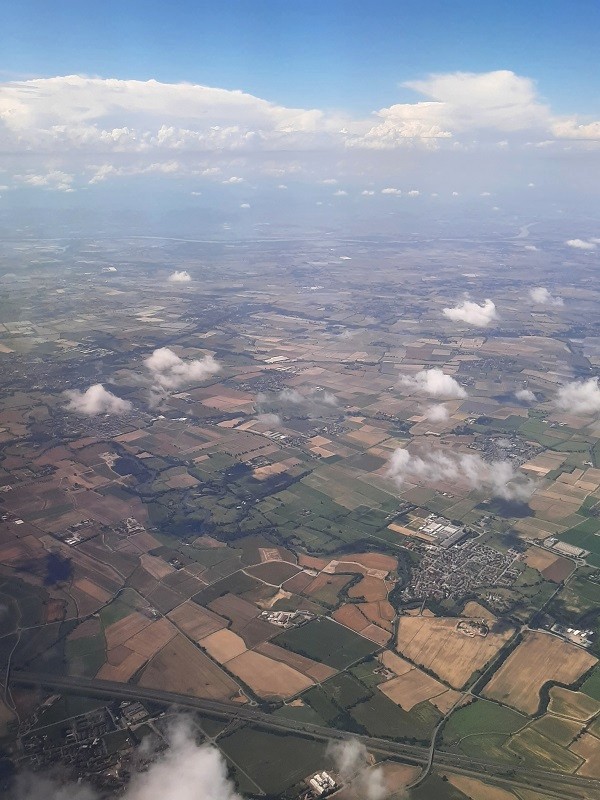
(196, 621)
(374, 561)
(266, 677)
(380, 613)
(87, 586)
(539, 658)
(158, 568)
(125, 670)
(394, 662)
(181, 667)
(234, 608)
(298, 583)
(311, 562)
(350, 616)
(153, 638)
(434, 643)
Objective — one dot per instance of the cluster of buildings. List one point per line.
(565, 549)
(288, 619)
(321, 784)
(455, 571)
(584, 638)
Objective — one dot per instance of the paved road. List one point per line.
(411, 753)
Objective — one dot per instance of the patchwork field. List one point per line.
(181, 667)
(574, 705)
(538, 659)
(326, 641)
(196, 621)
(434, 643)
(266, 677)
(413, 687)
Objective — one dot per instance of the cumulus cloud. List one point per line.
(542, 297)
(472, 313)
(351, 760)
(55, 180)
(413, 193)
(391, 190)
(185, 771)
(295, 397)
(269, 419)
(367, 193)
(581, 244)
(498, 478)
(180, 276)
(525, 396)
(96, 400)
(433, 383)
(169, 371)
(437, 413)
(579, 397)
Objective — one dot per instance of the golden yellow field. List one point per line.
(266, 677)
(434, 643)
(411, 688)
(223, 645)
(539, 658)
(588, 747)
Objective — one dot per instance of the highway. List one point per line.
(514, 775)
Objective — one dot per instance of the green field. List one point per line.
(327, 642)
(274, 761)
(591, 686)
(435, 788)
(559, 730)
(126, 603)
(479, 718)
(540, 752)
(345, 690)
(381, 717)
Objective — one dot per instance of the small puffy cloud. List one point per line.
(282, 186)
(269, 419)
(196, 194)
(498, 478)
(472, 313)
(579, 397)
(96, 400)
(525, 396)
(180, 276)
(581, 244)
(413, 193)
(244, 205)
(542, 297)
(169, 371)
(367, 193)
(55, 180)
(485, 194)
(391, 190)
(340, 193)
(329, 181)
(433, 383)
(455, 194)
(437, 413)
(530, 247)
(351, 760)
(317, 395)
(233, 180)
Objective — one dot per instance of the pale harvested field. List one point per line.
(311, 562)
(124, 671)
(86, 604)
(435, 643)
(224, 645)
(370, 589)
(478, 790)
(266, 677)
(444, 702)
(538, 659)
(119, 632)
(394, 662)
(145, 541)
(153, 638)
(588, 747)
(95, 591)
(318, 672)
(181, 667)
(473, 610)
(411, 688)
(539, 559)
(158, 568)
(377, 634)
(373, 561)
(574, 705)
(195, 621)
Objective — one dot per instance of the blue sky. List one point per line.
(327, 54)
(339, 105)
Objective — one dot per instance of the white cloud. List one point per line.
(413, 193)
(530, 247)
(391, 190)
(282, 186)
(55, 180)
(329, 181)
(96, 400)
(185, 771)
(486, 194)
(269, 419)
(314, 395)
(579, 397)
(437, 413)
(455, 194)
(525, 396)
(472, 313)
(351, 760)
(340, 193)
(542, 296)
(244, 205)
(581, 244)
(433, 383)
(367, 193)
(180, 276)
(233, 180)
(498, 478)
(169, 371)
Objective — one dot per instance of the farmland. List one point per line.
(540, 658)
(327, 642)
